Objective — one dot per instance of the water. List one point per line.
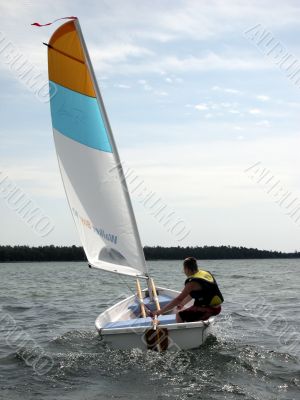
(50, 308)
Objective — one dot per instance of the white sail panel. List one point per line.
(94, 194)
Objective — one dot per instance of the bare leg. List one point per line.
(178, 318)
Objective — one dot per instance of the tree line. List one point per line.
(76, 253)
(213, 253)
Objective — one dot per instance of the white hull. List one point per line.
(181, 336)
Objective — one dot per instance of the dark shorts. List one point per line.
(195, 313)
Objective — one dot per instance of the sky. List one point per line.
(204, 112)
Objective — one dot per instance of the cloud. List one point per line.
(145, 85)
(264, 123)
(160, 93)
(162, 21)
(201, 107)
(254, 111)
(126, 47)
(45, 182)
(174, 63)
(213, 107)
(181, 163)
(120, 52)
(122, 86)
(263, 97)
(291, 104)
(148, 88)
(226, 90)
(212, 61)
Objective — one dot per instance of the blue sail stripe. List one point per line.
(78, 117)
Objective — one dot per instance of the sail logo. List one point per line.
(108, 236)
(99, 231)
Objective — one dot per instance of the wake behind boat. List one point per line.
(98, 196)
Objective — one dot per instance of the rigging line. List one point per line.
(63, 53)
(133, 292)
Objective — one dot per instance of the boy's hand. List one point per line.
(156, 312)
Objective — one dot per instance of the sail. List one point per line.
(88, 159)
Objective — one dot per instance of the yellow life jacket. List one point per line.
(210, 294)
(203, 275)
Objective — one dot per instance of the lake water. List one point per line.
(49, 348)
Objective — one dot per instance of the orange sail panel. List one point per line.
(66, 61)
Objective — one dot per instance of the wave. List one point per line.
(16, 308)
(222, 367)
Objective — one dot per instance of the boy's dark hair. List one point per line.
(191, 264)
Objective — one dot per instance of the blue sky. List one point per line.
(193, 103)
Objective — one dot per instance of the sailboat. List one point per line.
(99, 200)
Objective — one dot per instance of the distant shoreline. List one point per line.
(76, 253)
(158, 259)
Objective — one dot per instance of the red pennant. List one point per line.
(50, 23)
